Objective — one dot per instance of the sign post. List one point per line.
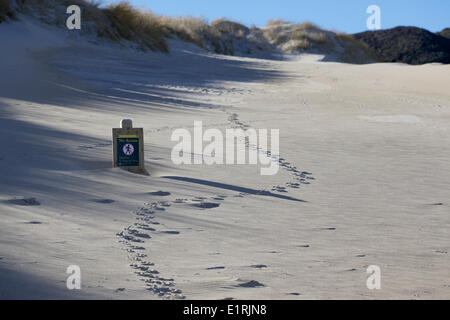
(128, 147)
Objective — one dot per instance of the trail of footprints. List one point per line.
(134, 236)
(217, 91)
(298, 177)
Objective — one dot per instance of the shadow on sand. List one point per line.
(233, 188)
(16, 284)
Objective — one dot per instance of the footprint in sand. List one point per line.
(144, 226)
(279, 189)
(258, 266)
(160, 286)
(159, 193)
(33, 222)
(170, 232)
(294, 185)
(22, 201)
(104, 201)
(216, 268)
(250, 284)
(206, 205)
(165, 204)
(128, 237)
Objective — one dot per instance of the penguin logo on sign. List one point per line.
(128, 149)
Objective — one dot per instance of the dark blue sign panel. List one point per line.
(128, 151)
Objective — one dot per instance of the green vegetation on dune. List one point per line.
(410, 45)
(121, 22)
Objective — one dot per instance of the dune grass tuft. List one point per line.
(135, 25)
(121, 21)
(355, 51)
(296, 37)
(194, 30)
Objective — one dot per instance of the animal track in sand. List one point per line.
(206, 205)
(138, 233)
(250, 284)
(134, 237)
(170, 232)
(327, 228)
(160, 193)
(104, 201)
(217, 91)
(298, 177)
(33, 222)
(258, 266)
(23, 201)
(216, 268)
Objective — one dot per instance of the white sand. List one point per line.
(375, 138)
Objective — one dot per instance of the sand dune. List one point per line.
(363, 179)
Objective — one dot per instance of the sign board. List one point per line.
(128, 149)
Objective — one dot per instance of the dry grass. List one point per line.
(276, 22)
(224, 25)
(303, 37)
(135, 25)
(122, 21)
(189, 29)
(116, 22)
(296, 37)
(151, 30)
(355, 51)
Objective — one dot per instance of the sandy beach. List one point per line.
(364, 175)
